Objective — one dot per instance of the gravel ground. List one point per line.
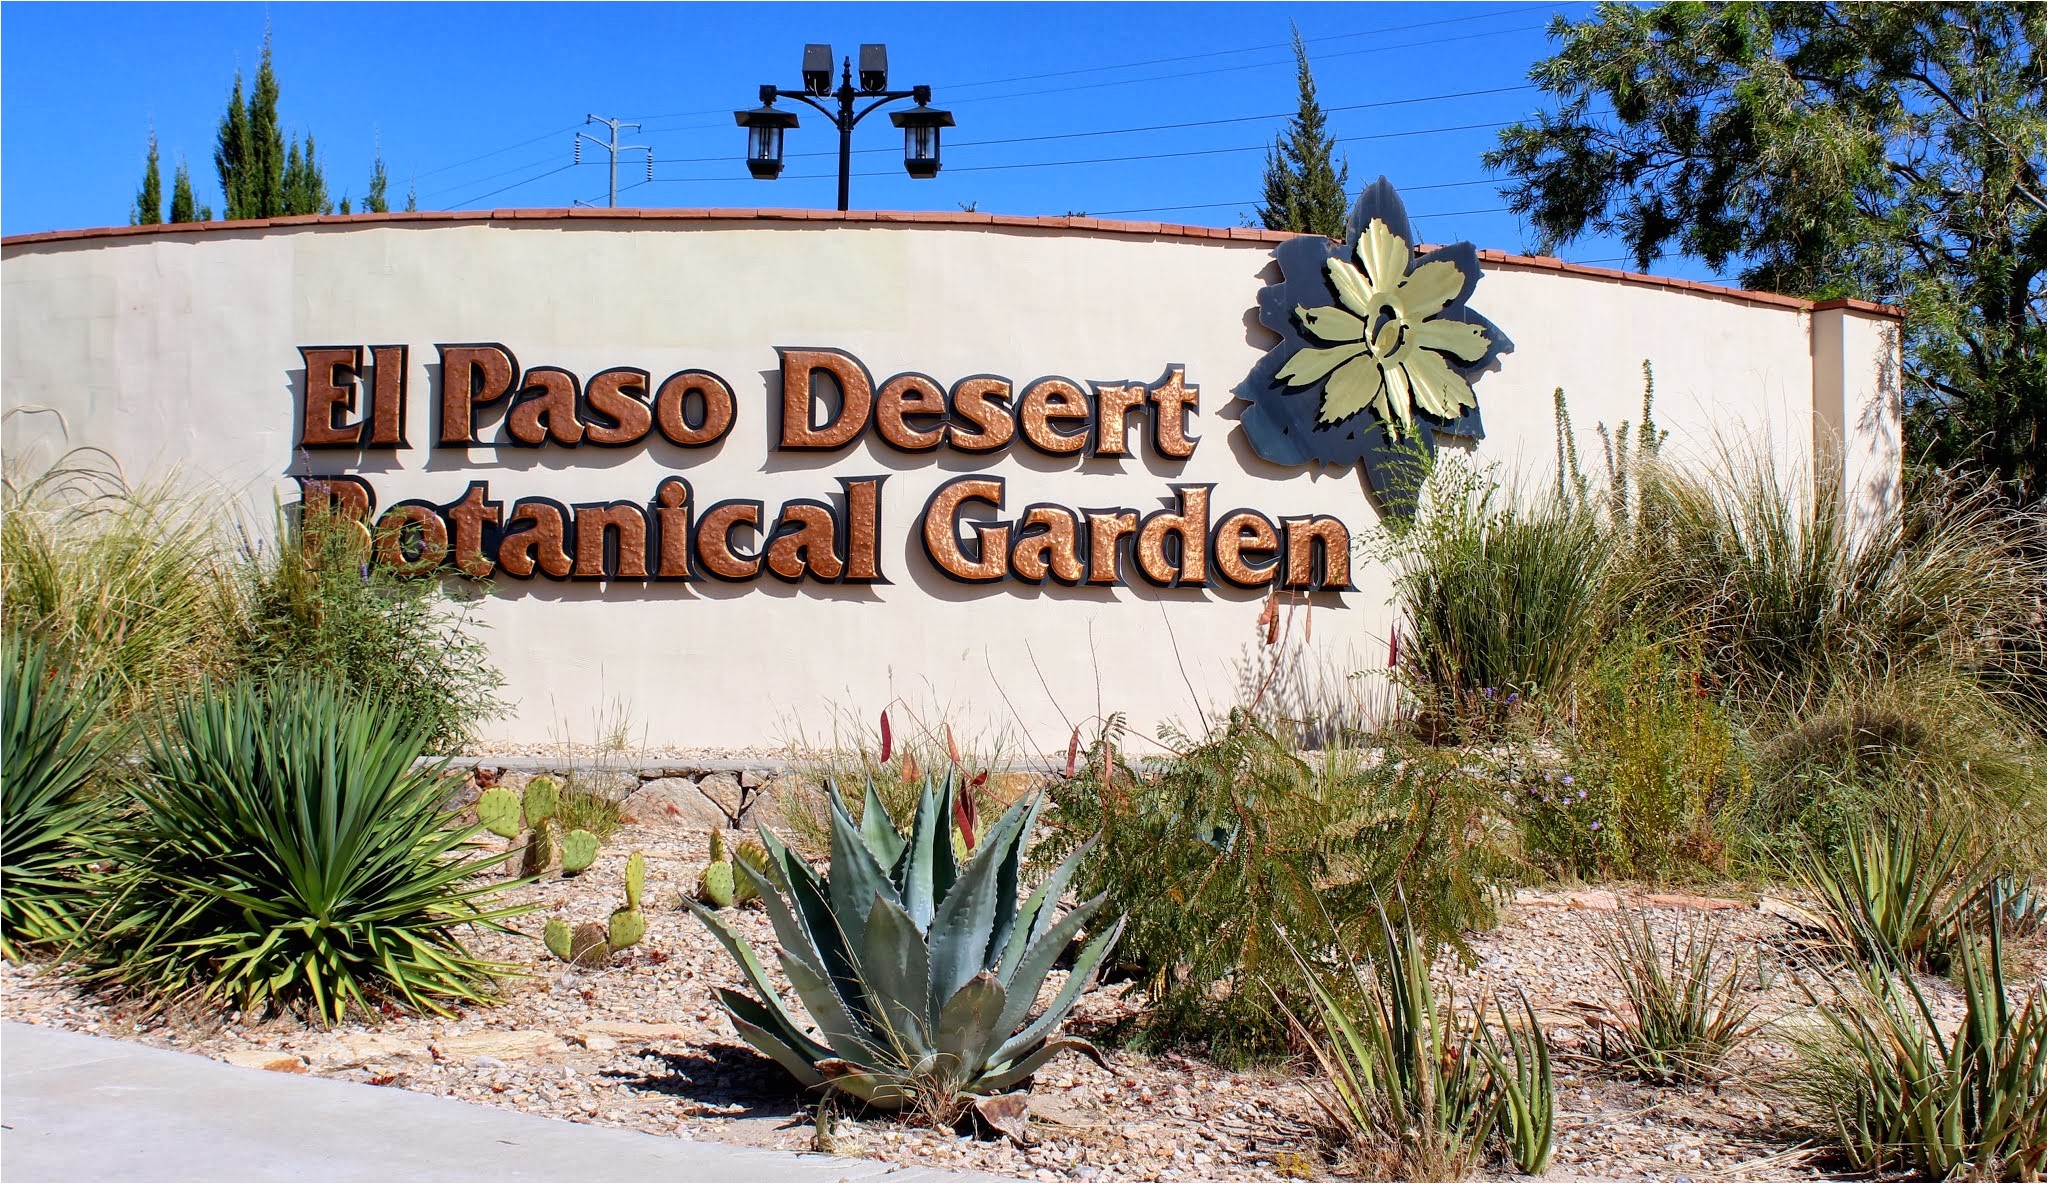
(642, 1043)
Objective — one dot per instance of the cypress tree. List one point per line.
(412, 195)
(1304, 183)
(183, 207)
(231, 157)
(266, 140)
(379, 182)
(149, 203)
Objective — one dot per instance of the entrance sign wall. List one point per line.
(741, 468)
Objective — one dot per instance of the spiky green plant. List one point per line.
(56, 735)
(579, 851)
(715, 887)
(920, 974)
(1896, 1092)
(1898, 890)
(1418, 1092)
(754, 855)
(287, 852)
(1685, 1007)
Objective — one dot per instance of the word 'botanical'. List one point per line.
(823, 400)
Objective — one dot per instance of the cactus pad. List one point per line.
(498, 810)
(542, 794)
(755, 856)
(717, 846)
(636, 879)
(558, 939)
(628, 926)
(579, 851)
(715, 888)
(540, 851)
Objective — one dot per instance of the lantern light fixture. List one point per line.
(766, 124)
(921, 126)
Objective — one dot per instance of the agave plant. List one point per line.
(919, 972)
(54, 738)
(1899, 890)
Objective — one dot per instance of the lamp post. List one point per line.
(766, 124)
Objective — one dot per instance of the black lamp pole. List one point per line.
(849, 113)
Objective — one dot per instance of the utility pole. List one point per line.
(614, 147)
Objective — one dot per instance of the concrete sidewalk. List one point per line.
(77, 1107)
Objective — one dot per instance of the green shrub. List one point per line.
(1497, 593)
(1684, 1007)
(1896, 1092)
(131, 585)
(286, 852)
(57, 735)
(1660, 762)
(920, 973)
(318, 606)
(1238, 838)
(1417, 1090)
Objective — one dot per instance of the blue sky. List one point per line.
(1060, 107)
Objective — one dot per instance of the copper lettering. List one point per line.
(1247, 547)
(538, 545)
(1113, 404)
(470, 375)
(469, 516)
(1105, 531)
(1187, 562)
(801, 370)
(1172, 404)
(714, 540)
(805, 544)
(942, 531)
(387, 396)
(620, 396)
(411, 539)
(671, 408)
(1306, 536)
(1047, 544)
(863, 530)
(597, 555)
(330, 397)
(672, 519)
(1048, 403)
(545, 410)
(982, 403)
(902, 397)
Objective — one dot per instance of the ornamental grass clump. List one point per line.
(1898, 1090)
(284, 852)
(57, 736)
(920, 973)
(1685, 1006)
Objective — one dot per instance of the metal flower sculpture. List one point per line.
(1378, 352)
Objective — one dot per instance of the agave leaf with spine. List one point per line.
(918, 972)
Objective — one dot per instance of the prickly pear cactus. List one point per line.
(540, 850)
(715, 887)
(627, 928)
(542, 794)
(560, 940)
(755, 856)
(579, 851)
(589, 944)
(498, 810)
(636, 879)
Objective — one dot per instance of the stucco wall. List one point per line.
(182, 350)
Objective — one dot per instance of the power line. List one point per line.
(514, 185)
(1217, 205)
(500, 151)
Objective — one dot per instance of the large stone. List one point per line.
(672, 801)
(506, 1045)
(764, 805)
(369, 1048)
(1680, 901)
(725, 792)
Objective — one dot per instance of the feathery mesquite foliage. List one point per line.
(286, 853)
(1684, 1007)
(56, 735)
(1237, 838)
(1896, 1093)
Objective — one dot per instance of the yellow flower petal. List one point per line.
(1352, 289)
(1399, 397)
(1429, 287)
(1351, 390)
(1330, 324)
(1466, 342)
(1438, 389)
(1307, 365)
(1384, 255)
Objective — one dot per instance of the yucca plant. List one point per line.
(1412, 1083)
(1899, 890)
(920, 974)
(289, 853)
(1897, 1093)
(56, 734)
(1685, 1010)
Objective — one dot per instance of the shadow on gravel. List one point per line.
(734, 1079)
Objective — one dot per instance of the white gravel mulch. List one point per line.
(643, 1044)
